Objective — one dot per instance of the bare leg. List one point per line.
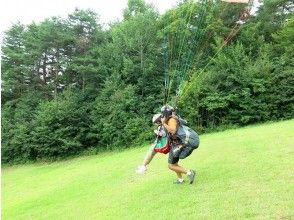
(149, 156)
(179, 175)
(178, 169)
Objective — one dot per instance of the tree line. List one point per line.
(70, 85)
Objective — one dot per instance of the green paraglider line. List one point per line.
(178, 72)
(184, 62)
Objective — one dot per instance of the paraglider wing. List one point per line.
(236, 1)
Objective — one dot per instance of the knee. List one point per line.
(171, 166)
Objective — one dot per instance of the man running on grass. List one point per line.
(183, 141)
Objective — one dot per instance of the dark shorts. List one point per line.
(185, 152)
(192, 144)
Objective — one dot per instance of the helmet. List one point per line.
(156, 118)
(167, 110)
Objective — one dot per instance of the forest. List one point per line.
(72, 85)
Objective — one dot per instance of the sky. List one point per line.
(27, 11)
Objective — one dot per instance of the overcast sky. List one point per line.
(27, 11)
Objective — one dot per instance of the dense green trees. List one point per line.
(245, 84)
(68, 85)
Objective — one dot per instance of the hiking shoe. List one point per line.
(141, 169)
(192, 176)
(179, 182)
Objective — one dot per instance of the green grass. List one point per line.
(242, 173)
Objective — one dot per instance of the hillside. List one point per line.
(242, 173)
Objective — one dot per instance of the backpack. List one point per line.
(186, 135)
(162, 143)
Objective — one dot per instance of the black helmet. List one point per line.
(167, 110)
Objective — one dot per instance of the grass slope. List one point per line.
(242, 173)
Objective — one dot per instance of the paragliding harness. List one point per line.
(185, 135)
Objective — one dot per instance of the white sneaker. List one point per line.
(141, 169)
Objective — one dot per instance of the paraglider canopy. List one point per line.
(236, 1)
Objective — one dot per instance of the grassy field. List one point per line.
(242, 173)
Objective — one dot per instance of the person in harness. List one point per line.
(160, 144)
(181, 141)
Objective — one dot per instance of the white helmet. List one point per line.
(156, 118)
(167, 108)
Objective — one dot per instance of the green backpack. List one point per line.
(162, 144)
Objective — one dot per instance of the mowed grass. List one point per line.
(242, 173)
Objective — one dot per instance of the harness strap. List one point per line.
(188, 134)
